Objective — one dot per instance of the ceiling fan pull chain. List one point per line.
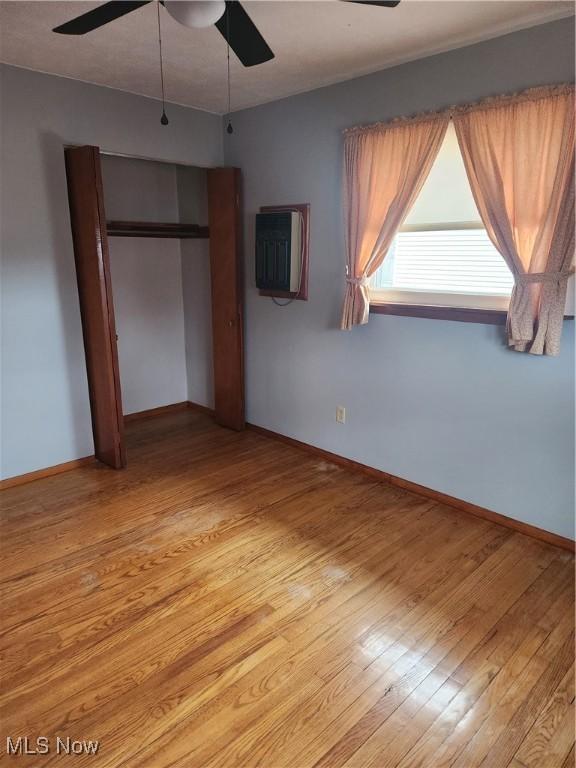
(163, 119)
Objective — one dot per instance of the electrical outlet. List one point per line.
(340, 414)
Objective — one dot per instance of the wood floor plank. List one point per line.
(515, 670)
(535, 746)
(570, 759)
(511, 651)
(367, 717)
(525, 713)
(309, 650)
(140, 571)
(228, 601)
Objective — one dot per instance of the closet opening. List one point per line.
(158, 261)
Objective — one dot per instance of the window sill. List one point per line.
(438, 312)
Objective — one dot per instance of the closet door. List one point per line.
(225, 224)
(88, 220)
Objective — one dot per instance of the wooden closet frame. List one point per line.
(90, 232)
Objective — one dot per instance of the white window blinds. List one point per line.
(446, 260)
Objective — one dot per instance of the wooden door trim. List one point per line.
(109, 297)
(88, 221)
(227, 291)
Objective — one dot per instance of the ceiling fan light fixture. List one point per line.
(196, 13)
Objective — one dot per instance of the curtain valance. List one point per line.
(491, 102)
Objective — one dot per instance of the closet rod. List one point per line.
(155, 229)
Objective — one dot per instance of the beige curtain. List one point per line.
(385, 167)
(519, 157)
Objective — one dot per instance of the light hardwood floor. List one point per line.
(229, 600)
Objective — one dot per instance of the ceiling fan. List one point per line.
(230, 19)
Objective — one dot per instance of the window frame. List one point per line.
(440, 312)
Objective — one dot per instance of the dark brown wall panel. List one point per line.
(224, 205)
(95, 292)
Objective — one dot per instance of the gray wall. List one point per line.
(45, 409)
(146, 284)
(193, 207)
(440, 403)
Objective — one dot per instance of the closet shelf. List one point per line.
(155, 229)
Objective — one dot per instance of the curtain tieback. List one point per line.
(358, 281)
(544, 277)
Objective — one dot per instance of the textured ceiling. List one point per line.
(316, 44)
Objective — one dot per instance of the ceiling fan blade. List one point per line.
(383, 3)
(243, 35)
(97, 17)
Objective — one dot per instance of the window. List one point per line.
(443, 255)
(454, 267)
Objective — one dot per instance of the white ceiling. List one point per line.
(316, 44)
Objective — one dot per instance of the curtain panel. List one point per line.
(519, 156)
(385, 166)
